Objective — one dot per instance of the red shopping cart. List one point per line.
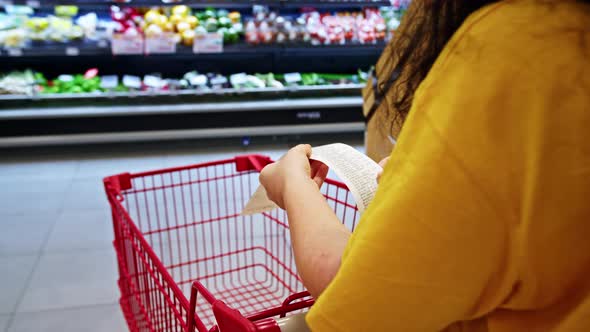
(178, 232)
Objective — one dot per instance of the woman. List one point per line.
(482, 217)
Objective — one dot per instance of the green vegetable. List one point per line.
(50, 90)
(75, 89)
(88, 86)
(335, 77)
(209, 13)
(223, 31)
(201, 16)
(229, 35)
(311, 79)
(264, 77)
(78, 79)
(224, 22)
(40, 79)
(66, 11)
(211, 25)
(121, 88)
(222, 13)
(64, 87)
(270, 80)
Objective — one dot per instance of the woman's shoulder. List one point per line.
(523, 26)
(515, 40)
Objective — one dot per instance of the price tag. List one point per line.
(72, 51)
(133, 82)
(15, 52)
(102, 43)
(238, 79)
(163, 44)
(308, 115)
(153, 81)
(291, 78)
(65, 78)
(127, 44)
(109, 82)
(208, 43)
(218, 80)
(33, 3)
(198, 80)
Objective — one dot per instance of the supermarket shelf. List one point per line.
(227, 107)
(49, 49)
(116, 117)
(205, 3)
(91, 48)
(334, 4)
(8, 142)
(341, 89)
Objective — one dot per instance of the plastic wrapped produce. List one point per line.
(22, 82)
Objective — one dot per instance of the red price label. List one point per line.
(163, 44)
(127, 44)
(208, 43)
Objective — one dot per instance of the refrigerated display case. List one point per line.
(107, 71)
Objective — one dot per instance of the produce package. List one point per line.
(29, 82)
(17, 83)
(20, 25)
(127, 20)
(365, 27)
(13, 38)
(179, 21)
(56, 28)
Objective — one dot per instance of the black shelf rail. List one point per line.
(103, 48)
(204, 3)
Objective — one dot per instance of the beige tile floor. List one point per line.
(57, 265)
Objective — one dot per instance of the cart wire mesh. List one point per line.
(176, 226)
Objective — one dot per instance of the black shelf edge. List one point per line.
(91, 48)
(334, 4)
(204, 3)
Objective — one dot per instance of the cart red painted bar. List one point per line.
(187, 259)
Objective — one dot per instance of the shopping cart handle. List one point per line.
(229, 319)
(293, 323)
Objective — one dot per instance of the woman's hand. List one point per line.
(317, 236)
(382, 163)
(292, 170)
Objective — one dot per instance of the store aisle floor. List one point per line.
(57, 264)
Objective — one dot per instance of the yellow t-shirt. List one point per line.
(482, 217)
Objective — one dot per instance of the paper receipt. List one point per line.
(355, 169)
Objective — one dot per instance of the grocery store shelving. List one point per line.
(333, 4)
(102, 48)
(73, 48)
(205, 3)
(117, 117)
(178, 114)
(82, 104)
(150, 109)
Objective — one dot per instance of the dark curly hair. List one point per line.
(431, 23)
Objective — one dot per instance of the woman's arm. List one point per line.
(317, 235)
(319, 238)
